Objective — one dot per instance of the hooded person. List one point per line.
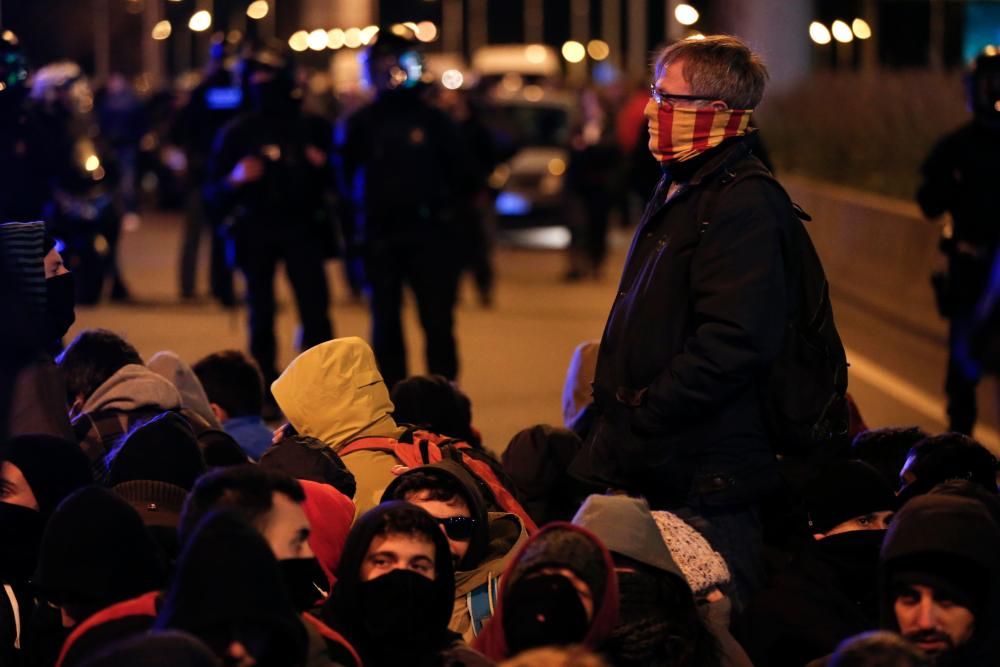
(829, 591)
(194, 400)
(330, 515)
(109, 392)
(434, 403)
(333, 392)
(228, 593)
(939, 583)
(658, 620)
(153, 469)
(36, 473)
(395, 591)
(578, 390)
(39, 297)
(481, 542)
(560, 589)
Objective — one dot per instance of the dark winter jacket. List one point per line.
(699, 316)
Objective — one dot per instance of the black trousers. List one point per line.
(258, 257)
(432, 274)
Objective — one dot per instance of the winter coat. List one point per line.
(699, 316)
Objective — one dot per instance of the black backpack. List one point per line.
(804, 397)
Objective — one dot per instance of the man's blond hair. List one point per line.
(720, 66)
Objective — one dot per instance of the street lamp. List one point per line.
(200, 21)
(257, 9)
(299, 41)
(317, 40)
(335, 38)
(842, 32)
(686, 14)
(573, 51)
(861, 29)
(819, 33)
(598, 49)
(162, 30)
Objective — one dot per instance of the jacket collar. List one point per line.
(706, 165)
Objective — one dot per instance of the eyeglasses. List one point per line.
(663, 99)
(458, 527)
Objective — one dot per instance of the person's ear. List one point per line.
(719, 105)
(219, 412)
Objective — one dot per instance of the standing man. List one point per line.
(960, 177)
(404, 174)
(268, 177)
(700, 312)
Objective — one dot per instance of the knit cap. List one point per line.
(702, 566)
(843, 490)
(164, 449)
(52, 467)
(23, 246)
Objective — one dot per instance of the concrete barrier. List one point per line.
(878, 252)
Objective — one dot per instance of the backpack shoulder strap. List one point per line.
(481, 602)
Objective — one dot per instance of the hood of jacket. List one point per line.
(626, 526)
(507, 534)
(479, 543)
(330, 515)
(955, 541)
(180, 374)
(335, 393)
(578, 392)
(133, 387)
(559, 544)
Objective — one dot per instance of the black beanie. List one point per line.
(96, 551)
(53, 467)
(844, 490)
(164, 449)
(567, 548)
(22, 252)
(303, 457)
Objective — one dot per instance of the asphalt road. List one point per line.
(514, 355)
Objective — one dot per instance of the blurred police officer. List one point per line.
(267, 178)
(403, 170)
(960, 177)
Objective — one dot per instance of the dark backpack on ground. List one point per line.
(804, 396)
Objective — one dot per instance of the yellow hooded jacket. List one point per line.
(334, 392)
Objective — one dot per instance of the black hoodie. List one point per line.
(955, 540)
(479, 544)
(421, 639)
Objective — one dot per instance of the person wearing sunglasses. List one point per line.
(481, 541)
(700, 314)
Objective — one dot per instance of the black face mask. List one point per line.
(854, 557)
(60, 300)
(304, 581)
(20, 538)
(399, 608)
(543, 611)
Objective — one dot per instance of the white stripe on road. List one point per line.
(912, 396)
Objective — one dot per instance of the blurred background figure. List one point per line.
(215, 101)
(959, 178)
(268, 179)
(122, 122)
(593, 182)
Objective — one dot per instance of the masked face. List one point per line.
(683, 125)
(60, 302)
(399, 607)
(543, 610)
(304, 581)
(20, 537)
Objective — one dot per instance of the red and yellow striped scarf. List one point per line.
(677, 135)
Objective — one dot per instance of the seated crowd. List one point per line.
(148, 516)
